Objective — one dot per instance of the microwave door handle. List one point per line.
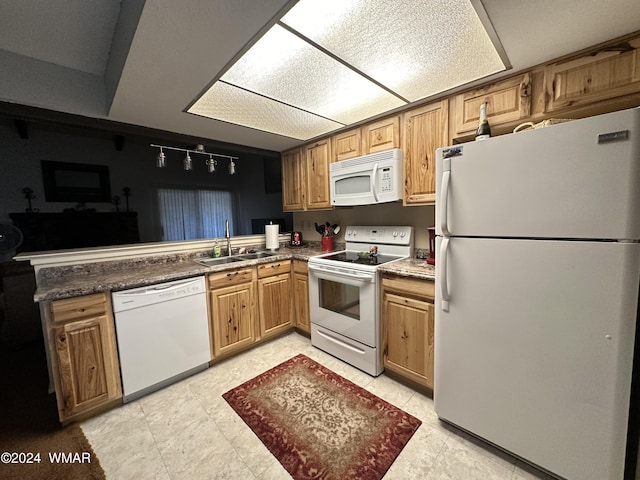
(374, 182)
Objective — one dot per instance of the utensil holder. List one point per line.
(327, 244)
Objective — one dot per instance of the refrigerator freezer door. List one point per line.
(579, 179)
(535, 351)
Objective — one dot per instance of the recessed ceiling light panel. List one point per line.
(284, 67)
(338, 62)
(234, 105)
(415, 49)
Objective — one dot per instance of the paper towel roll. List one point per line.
(271, 233)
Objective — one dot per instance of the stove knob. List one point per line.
(403, 234)
(395, 234)
(355, 232)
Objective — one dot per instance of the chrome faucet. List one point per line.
(227, 236)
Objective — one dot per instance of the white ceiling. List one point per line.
(143, 62)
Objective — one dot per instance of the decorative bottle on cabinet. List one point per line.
(484, 130)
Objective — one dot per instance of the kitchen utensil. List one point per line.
(319, 229)
(336, 229)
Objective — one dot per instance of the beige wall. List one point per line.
(384, 214)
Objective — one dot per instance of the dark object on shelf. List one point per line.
(28, 194)
(116, 202)
(75, 182)
(75, 229)
(126, 191)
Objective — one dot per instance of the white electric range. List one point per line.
(344, 299)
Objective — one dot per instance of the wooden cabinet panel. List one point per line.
(301, 296)
(274, 297)
(381, 135)
(231, 277)
(85, 365)
(293, 180)
(79, 307)
(347, 145)
(232, 317)
(408, 328)
(508, 102)
(425, 129)
(317, 158)
(84, 360)
(612, 72)
(274, 268)
(409, 350)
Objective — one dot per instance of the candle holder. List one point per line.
(28, 195)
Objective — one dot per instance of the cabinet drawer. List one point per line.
(79, 307)
(230, 277)
(411, 286)
(300, 266)
(274, 268)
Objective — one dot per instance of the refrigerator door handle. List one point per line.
(446, 179)
(444, 289)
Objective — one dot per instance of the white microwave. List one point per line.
(367, 180)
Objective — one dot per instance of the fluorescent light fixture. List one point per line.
(338, 62)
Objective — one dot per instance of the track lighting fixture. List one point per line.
(187, 163)
(161, 160)
(211, 164)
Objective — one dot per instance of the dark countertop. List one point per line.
(63, 282)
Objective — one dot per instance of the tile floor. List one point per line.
(187, 430)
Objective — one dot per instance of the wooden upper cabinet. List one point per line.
(318, 155)
(292, 180)
(381, 135)
(508, 102)
(347, 144)
(610, 72)
(425, 129)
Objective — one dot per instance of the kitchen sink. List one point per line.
(209, 262)
(253, 256)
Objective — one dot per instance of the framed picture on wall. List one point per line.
(75, 182)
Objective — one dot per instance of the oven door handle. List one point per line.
(340, 273)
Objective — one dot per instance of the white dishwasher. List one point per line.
(163, 334)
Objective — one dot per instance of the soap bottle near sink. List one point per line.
(216, 249)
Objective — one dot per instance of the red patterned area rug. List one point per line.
(320, 425)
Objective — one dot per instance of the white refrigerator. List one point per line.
(537, 278)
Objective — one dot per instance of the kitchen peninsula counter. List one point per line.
(75, 280)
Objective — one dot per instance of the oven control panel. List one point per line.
(392, 235)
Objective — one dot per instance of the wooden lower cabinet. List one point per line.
(84, 357)
(301, 296)
(274, 298)
(408, 328)
(232, 310)
(248, 305)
